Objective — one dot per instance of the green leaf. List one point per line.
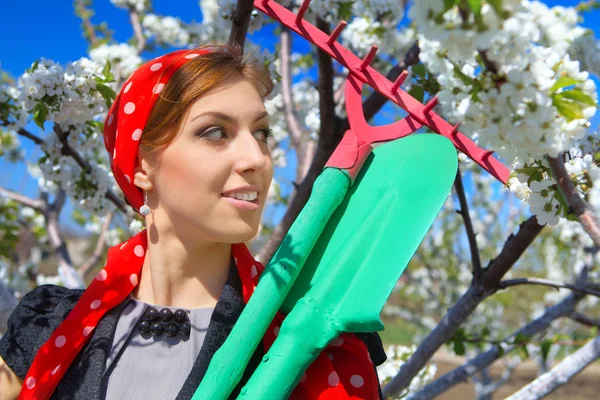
(107, 76)
(345, 10)
(475, 6)
(545, 348)
(567, 108)
(107, 93)
(580, 97)
(500, 350)
(497, 6)
(485, 332)
(459, 347)
(417, 92)
(466, 79)
(448, 4)
(521, 338)
(562, 82)
(522, 350)
(106, 69)
(34, 66)
(40, 112)
(419, 70)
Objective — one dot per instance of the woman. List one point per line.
(187, 137)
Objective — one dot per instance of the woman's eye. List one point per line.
(217, 134)
(213, 134)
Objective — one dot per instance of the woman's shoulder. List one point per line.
(32, 322)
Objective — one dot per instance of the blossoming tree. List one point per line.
(516, 75)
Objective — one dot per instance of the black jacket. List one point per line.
(44, 308)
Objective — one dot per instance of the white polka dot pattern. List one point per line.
(30, 382)
(129, 108)
(60, 341)
(333, 379)
(137, 134)
(95, 304)
(102, 275)
(158, 88)
(138, 251)
(155, 67)
(357, 381)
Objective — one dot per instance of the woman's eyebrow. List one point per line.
(228, 118)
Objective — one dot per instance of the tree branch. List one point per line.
(134, 17)
(69, 276)
(91, 262)
(24, 132)
(561, 373)
(514, 247)
(546, 282)
(68, 150)
(485, 359)
(464, 211)
(585, 213)
(8, 302)
(295, 131)
(585, 320)
(328, 140)
(37, 205)
(86, 23)
(240, 22)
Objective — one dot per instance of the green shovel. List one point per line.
(366, 216)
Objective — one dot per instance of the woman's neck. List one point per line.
(182, 275)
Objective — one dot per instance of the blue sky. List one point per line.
(50, 29)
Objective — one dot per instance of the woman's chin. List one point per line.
(241, 233)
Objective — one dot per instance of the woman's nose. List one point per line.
(250, 153)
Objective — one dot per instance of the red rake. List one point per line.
(418, 114)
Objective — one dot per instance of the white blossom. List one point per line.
(122, 55)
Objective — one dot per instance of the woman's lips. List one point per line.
(242, 204)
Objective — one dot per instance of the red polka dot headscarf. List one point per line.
(127, 117)
(343, 371)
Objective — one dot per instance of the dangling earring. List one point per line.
(145, 210)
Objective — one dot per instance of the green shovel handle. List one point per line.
(287, 359)
(229, 362)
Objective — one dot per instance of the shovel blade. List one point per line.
(376, 230)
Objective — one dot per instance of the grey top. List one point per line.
(151, 367)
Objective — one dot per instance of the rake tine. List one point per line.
(429, 106)
(454, 130)
(369, 58)
(399, 81)
(485, 154)
(336, 32)
(302, 11)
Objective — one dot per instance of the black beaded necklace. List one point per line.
(165, 321)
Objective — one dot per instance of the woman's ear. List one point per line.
(142, 174)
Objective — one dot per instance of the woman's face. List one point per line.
(220, 147)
